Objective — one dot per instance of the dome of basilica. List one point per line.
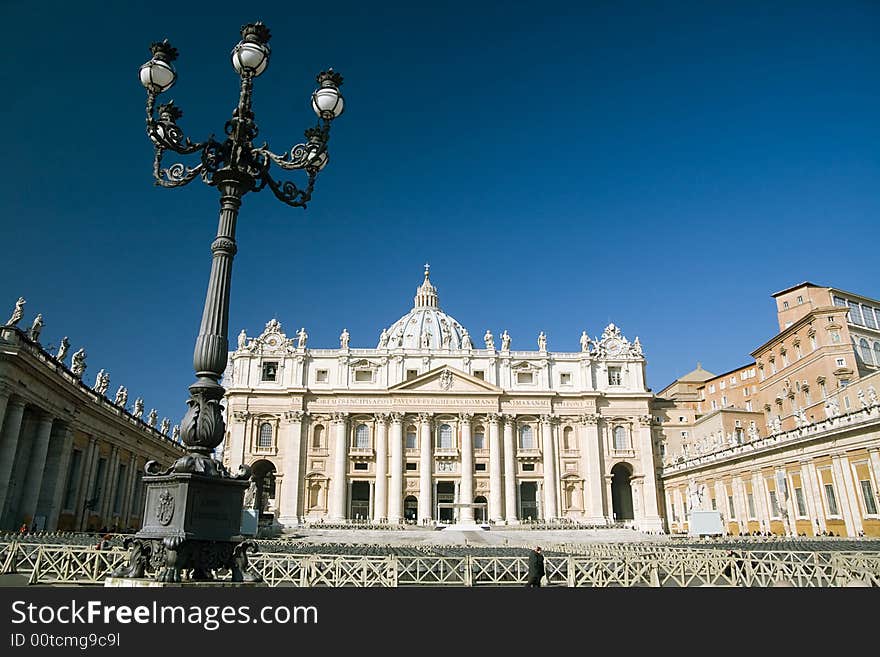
(425, 326)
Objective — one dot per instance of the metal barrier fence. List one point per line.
(606, 566)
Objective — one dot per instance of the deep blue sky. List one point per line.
(665, 166)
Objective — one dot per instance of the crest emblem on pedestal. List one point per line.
(165, 508)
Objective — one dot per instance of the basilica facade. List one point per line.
(427, 427)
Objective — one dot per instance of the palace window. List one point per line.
(877, 353)
(270, 371)
(831, 499)
(614, 378)
(800, 299)
(525, 377)
(568, 439)
(840, 362)
(479, 374)
(412, 466)
(565, 378)
(855, 313)
(866, 351)
(772, 367)
(869, 317)
(363, 376)
(813, 342)
(361, 466)
(264, 438)
(480, 467)
(774, 505)
(801, 504)
(479, 437)
(868, 495)
(730, 507)
(785, 305)
(362, 437)
(411, 374)
(321, 376)
(620, 438)
(528, 467)
(526, 437)
(411, 442)
(751, 499)
(445, 437)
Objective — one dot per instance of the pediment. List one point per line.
(446, 380)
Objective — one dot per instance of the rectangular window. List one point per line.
(801, 504)
(855, 313)
(614, 376)
(565, 378)
(411, 374)
(684, 434)
(868, 313)
(321, 376)
(411, 440)
(835, 336)
(774, 505)
(73, 474)
(412, 466)
(730, 507)
(868, 494)
(831, 499)
(749, 405)
(723, 401)
(785, 305)
(480, 467)
(840, 301)
(714, 505)
(524, 377)
(812, 343)
(840, 362)
(711, 388)
(270, 371)
(722, 385)
(800, 299)
(528, 467)
(361, 466)
(479, 374)
(363, 376)
(714, 405)
(751, 499)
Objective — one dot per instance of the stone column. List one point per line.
(4, 402)
(466, 491)
(380, 501)
(89, 466)
(650, 514)
(549, 454)
(237, 439)
(33, 481)
(426, 467)
(496, 513)
(395, 493)
(291, 494)
(610, 497)
(131, 480)
(816, 490)
(510, 514)
(110, 488)
(539, 499)
(337, 506)
(847, 499)
(65, 453)
(589, 425)
(372, 504)
(8, 447)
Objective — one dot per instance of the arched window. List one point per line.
(620, 439)
(877, 353)
(411, 437)
(318, 436)
(568, 438)
(526, 437)
(264, 439)
(866, 351)
(479, 437)
(445, 436)
(361, 437)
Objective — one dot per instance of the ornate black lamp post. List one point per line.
(193, 509)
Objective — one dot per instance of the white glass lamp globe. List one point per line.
(157, 76)
(328, 102)
(250, 57)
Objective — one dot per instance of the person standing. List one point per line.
(536, 567)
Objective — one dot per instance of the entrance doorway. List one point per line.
(360, 500)
(445, 495)
(528, 500)
(480, 513)
(410, 509)
(263, 473)
(621, 492)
